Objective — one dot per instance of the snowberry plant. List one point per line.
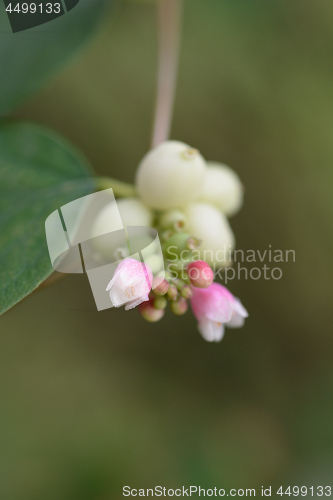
(185, 198)
(189, 201)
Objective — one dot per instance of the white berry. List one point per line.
(170, 175)
(222, 188)
(211, 226)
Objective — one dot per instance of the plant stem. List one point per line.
(169, 42)
(120, 189)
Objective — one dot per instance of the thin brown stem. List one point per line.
(170, 13)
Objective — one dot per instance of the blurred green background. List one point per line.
(92, 401)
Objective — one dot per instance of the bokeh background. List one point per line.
(92, 401)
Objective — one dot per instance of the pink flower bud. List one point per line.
(130, 284)
(215, 307)
(200, 274)
(149, 312)
(160, 286)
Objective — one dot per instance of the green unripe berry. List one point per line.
(180, 245)
(172, 292)
(160, 302)
(179, 307)
(174, 220)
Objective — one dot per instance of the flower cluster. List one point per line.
(188, 201)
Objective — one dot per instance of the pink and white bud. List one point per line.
(214, 308)
(131, 284)
(149, 312)
(200, 273)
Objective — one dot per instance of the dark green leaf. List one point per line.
(29, 57)
(39, 172)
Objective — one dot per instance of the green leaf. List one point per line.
(39, 172)
(29, 58)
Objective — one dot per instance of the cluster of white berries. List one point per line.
(175, 176)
